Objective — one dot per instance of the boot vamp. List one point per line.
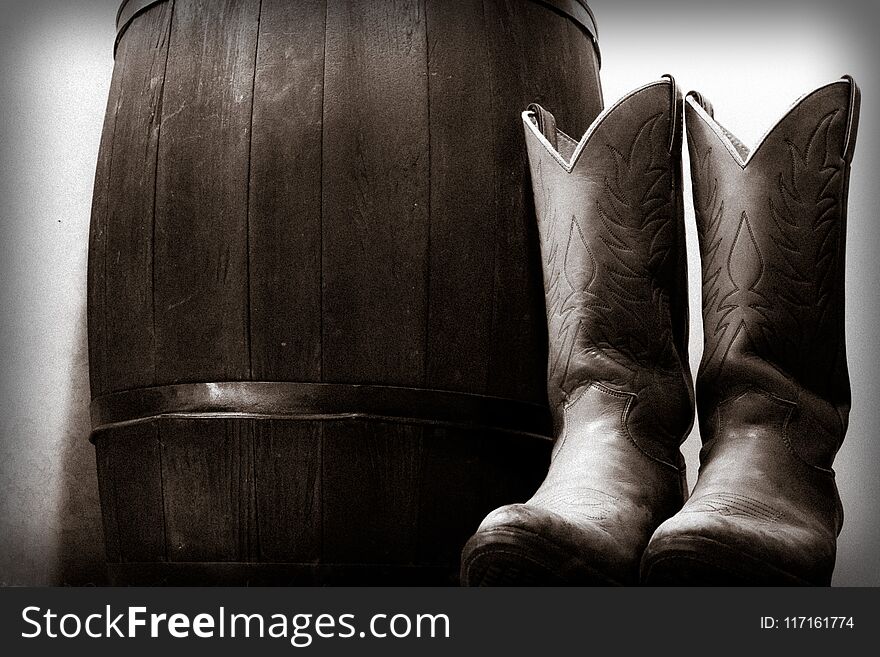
(758, 510)
(602, 497)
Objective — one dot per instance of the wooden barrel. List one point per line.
(316, 324)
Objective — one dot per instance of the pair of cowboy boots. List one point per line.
(772, 388)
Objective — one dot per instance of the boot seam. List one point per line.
(790, 445)
(624, 416)
(791, 406)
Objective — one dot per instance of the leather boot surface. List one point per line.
(612, 241)
(772, 391)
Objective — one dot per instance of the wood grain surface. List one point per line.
(285, 192)
(375, 193)
(200, 226)
(121, 336)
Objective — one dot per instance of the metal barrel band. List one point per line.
(319, 401)
(128, 11)
(577, 10)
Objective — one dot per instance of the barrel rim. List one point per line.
(286, 400)
(576, 10)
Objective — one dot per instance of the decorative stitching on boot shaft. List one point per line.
(611, 241)
(773, 312)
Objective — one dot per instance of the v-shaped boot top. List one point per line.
(637, 108)
(833, 105)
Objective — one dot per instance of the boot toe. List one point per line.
(711, 549)
(522, 545)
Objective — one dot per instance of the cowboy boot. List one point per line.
(772, 388)
(611, 232)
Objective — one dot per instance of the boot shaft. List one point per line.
(772, 225)
(612, 242)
